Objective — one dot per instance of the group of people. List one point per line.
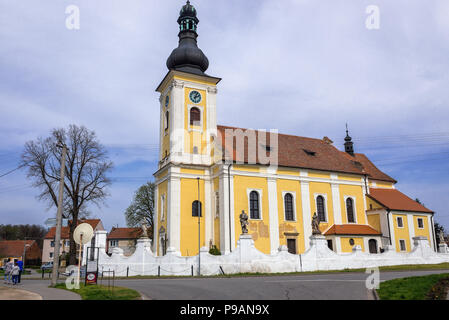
(13, 271)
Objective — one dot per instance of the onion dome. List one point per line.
(349, 145)
(187, 56)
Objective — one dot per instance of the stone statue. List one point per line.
(315, 224)
(441, 236)
(145, 227)
(244, 222)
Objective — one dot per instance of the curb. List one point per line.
(375, 295)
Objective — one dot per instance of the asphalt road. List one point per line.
(335, 286)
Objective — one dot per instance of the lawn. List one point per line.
(98, 292)
(412, 288)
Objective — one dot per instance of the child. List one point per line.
(15, 273)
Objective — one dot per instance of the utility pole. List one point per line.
(54, 276)
(199, 228)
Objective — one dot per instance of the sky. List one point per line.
(303, 67)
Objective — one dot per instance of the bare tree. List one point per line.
(85, 181)
(142, 207)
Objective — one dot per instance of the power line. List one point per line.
(11, 171)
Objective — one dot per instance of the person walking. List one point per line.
(8, 268)
(15, 274)
(20, 264)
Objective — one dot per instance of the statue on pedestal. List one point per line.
(315, 224)
(441, 236)
(145, 227)
(244, 222)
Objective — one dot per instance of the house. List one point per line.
(123, 238)
(208, 174)
(16, 249)
(49, 239)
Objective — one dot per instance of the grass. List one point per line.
(412, 288)
(98, 292)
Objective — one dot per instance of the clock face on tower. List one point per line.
(195, 96)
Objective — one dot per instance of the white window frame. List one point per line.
(293, 193)
(422, 222)
(405, 245)
(316, 195)
(259, 191)
(402, 222)
(113, 243)
(354, 207)
(191, 127)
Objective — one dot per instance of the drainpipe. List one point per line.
(388, 223)
(433, 234)
(229, 206)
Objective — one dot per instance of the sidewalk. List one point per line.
(40, 288)
(8, 293)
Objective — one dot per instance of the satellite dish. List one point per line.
(83, 233)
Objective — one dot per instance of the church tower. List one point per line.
(188, 127)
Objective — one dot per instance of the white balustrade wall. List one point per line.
(247, 259)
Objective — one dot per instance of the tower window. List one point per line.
(196, 207)
(195, 117)
(254, 211)
(288, 207)
(167, 119)
(350, 210)
(320, 208)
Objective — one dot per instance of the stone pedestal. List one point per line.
(318, 241)
(442, 248)
(246, 245)
(144, 243)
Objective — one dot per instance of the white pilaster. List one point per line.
(306, 212)
(411, 227)
(336, 204)
(156, 217)
(227, 232)
(391, 223)
(273, 215)
(174, 212)
(208, 204)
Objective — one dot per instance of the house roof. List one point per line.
(65, 231)
(302, 152)
(14, 248)
(124, 233)
(351, 229)
(393, 199)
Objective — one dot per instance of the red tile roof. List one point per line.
(351, 229)
(65, 231)
(14, 248)
(395, 200)
(307, 153)
(125, 233)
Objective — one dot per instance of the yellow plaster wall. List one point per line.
(322, 188)
(401, 233)
(355, 192)
(189, 224)
(192, 171)
(421, 232)
(346, 247)
(288, 172)
(370, 202)
(383, 184)
(374, 221)
(349, 177)
(319, 174)
(259, 229)
(290, 226)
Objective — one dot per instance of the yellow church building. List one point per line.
(280, 181)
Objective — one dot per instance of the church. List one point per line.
(208, 174)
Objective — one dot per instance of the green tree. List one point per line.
(142, 207)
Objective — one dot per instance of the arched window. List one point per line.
(350, 210)
(195, 205)
(320, 208)
(167, 118)
(254, 211)
(195, 116)
(288, 207)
